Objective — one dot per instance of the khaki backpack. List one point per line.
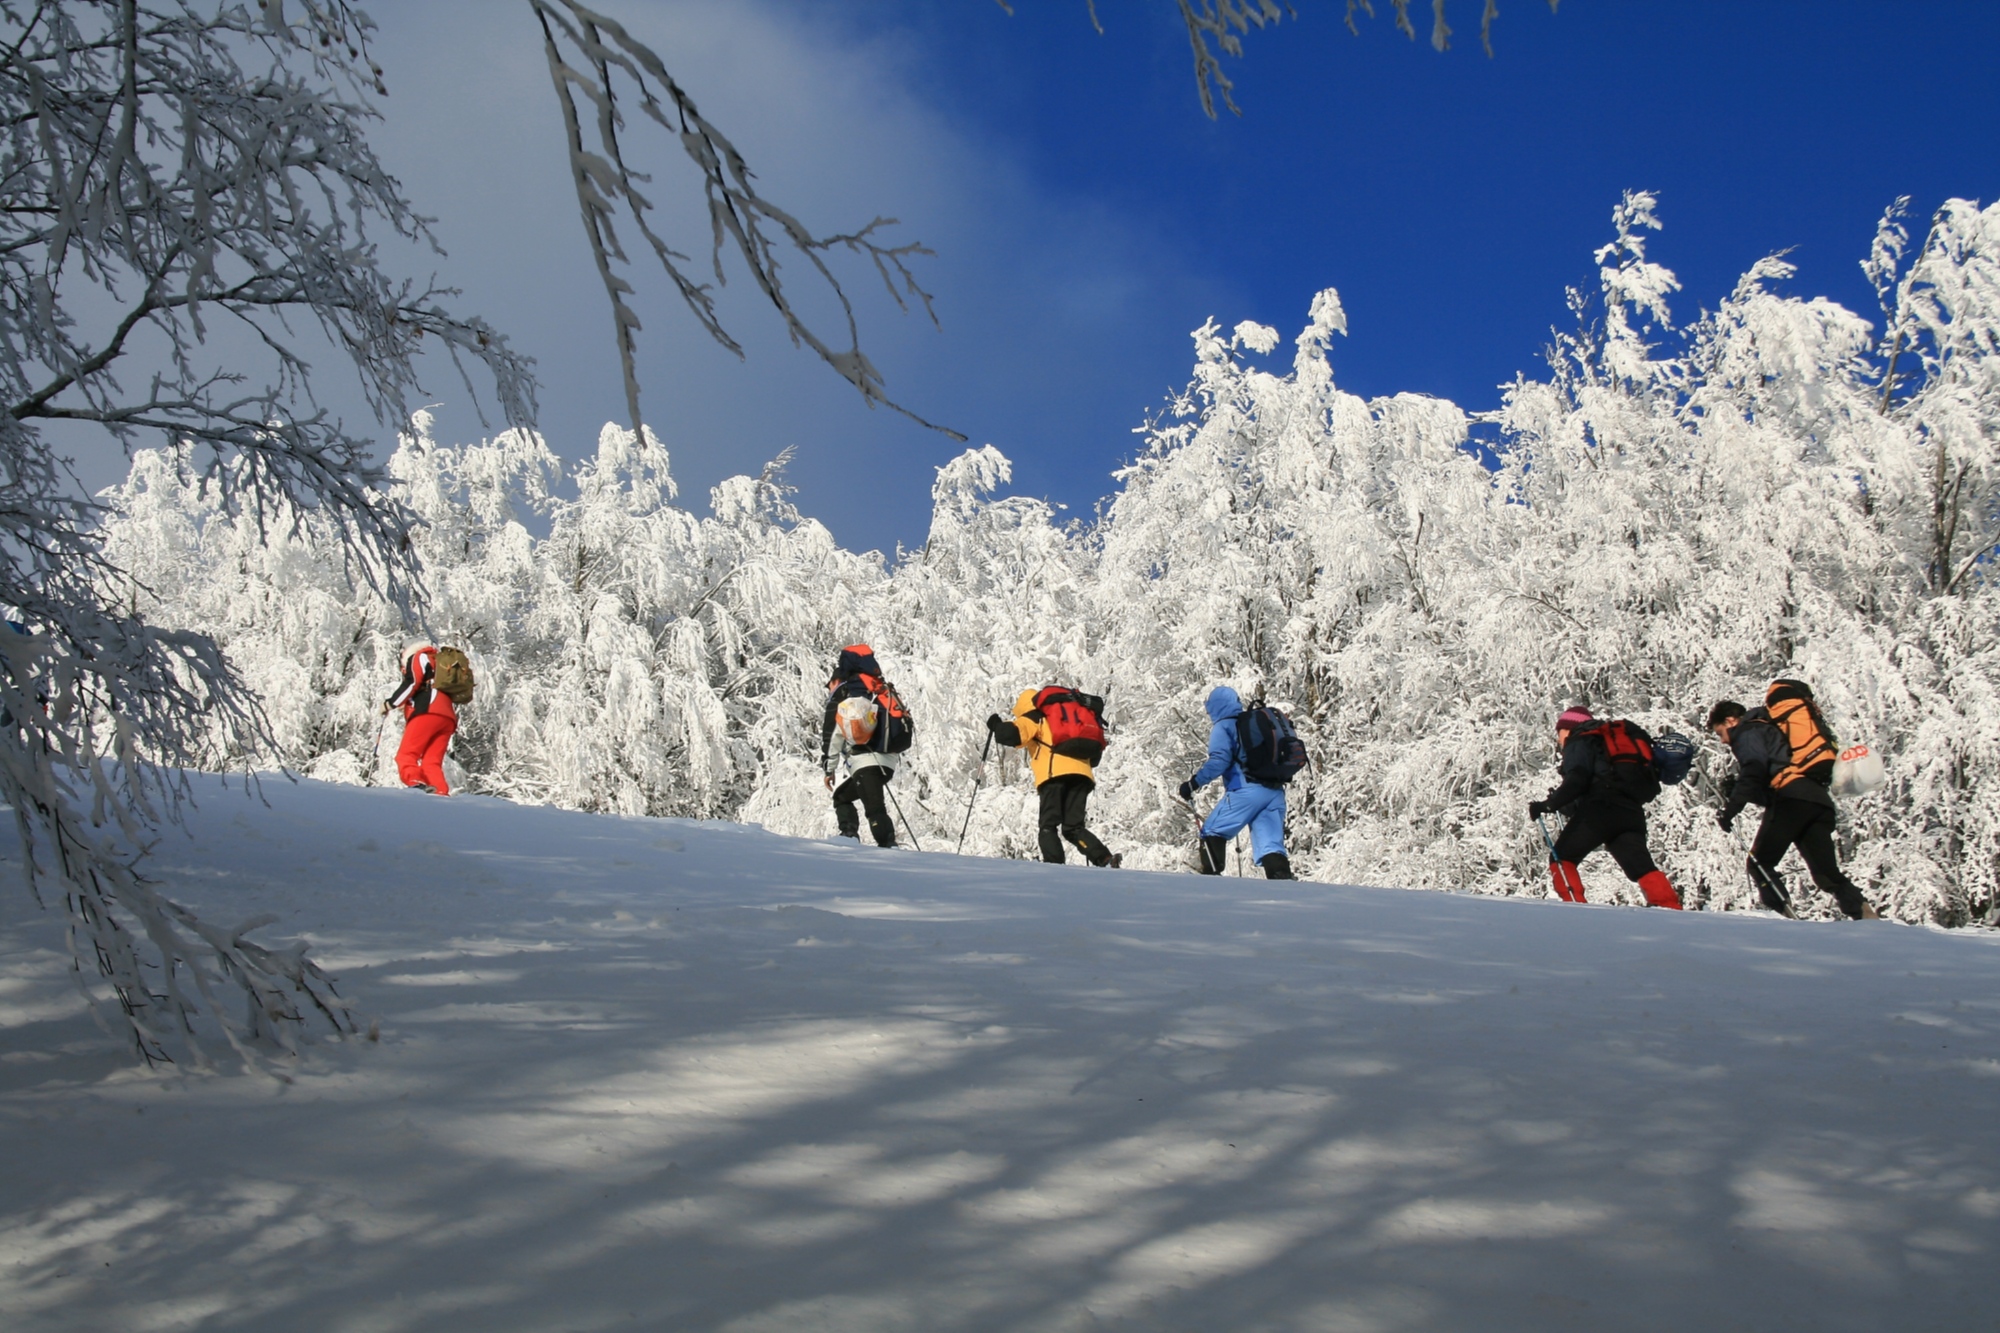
(451, 676)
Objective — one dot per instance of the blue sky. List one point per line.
(1087, 216)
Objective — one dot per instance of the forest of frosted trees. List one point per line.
(1670, 514)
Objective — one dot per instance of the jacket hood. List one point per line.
(1024, 703)
(1222, 702)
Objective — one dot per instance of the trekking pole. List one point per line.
(1771, 885)
(379, 728)
(1200, 846)
(900, 815)
(981, 777)
(1543, 825)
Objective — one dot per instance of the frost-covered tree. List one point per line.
(1669, 516)
(189, 217)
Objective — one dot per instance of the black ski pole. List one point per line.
(1770, 888)
(977, 779)
(900, 815)
(1201, 843)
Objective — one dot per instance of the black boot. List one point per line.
(1277, 866)
(1214, 855)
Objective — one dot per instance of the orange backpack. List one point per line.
(1790, 704)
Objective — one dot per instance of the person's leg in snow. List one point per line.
(866, 787)
(420, 758)
(873, 782)
(1628, 848)
(1621, 831)
(431, 765)
(845, 815)
(1260, 809)
(1267, 837)
(1064, 799)
(1579, 838)
(1809, 826)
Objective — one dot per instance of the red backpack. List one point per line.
(1630, 751)
(1076, 722)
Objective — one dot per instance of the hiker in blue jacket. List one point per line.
(1243, 802)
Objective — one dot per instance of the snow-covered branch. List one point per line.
(190, 217)
(590, 56)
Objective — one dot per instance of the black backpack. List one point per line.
(1271, 750)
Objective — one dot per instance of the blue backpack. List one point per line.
(1673, 756)
(1271, 750)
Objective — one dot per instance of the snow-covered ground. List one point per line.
(653, 1074)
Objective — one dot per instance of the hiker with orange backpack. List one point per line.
(1785, 757)
(875, 729)
(1607, 778)
(1062, 731)
(436, 681)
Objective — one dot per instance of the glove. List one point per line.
(1726, 820)
(1536, 809)
(1186, 791)
(994, 722)
(385, 708)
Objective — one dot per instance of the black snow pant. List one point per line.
(1619, 829)
(1808, 826)
(1063, 800)
(866, 787)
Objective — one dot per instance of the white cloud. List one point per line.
(1040, 296)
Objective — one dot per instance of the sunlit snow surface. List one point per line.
(654, 1074)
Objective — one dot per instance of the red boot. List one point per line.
(1569, 883)
(1659, 893)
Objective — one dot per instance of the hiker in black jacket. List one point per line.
(1606, 806)
(1792, 788)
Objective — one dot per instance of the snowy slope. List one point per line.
(653, 1074)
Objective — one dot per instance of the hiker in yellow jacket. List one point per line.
(1063, 778)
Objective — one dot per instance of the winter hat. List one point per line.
(1573, 717)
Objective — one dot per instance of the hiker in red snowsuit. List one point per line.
(429, 719)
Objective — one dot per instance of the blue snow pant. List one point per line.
(1262, 808)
